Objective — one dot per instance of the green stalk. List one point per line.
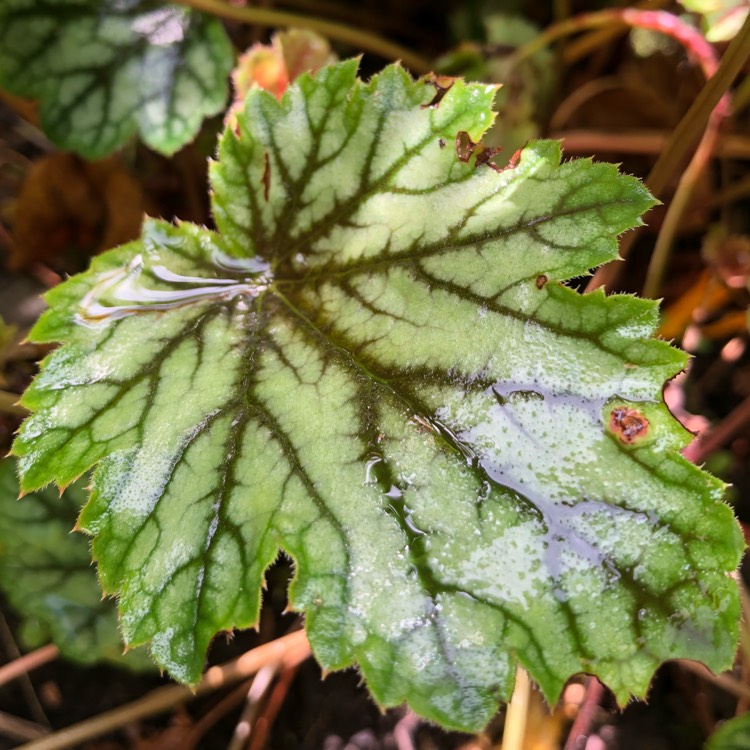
(358, 38)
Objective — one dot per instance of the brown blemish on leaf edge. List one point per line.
(466, 148)
(628, 424)
(443, 85)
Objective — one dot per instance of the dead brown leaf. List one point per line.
(70, 207)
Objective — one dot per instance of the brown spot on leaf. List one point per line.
(466, 148)
(513, 161)
(69, 207)
(266, 179)
(541, 280)
(442, 86)
(628, 424)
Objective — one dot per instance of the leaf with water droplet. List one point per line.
(360, 367)
(106, 69)
(47, 576)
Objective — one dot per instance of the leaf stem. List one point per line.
(265, 721)
(599, 37)
(678, 206)
(288, 650)
(24, 664)
(666, 23)
(684, 135)
(647, 142)
(255, 697)
(582, 724)
(518, 708)
(20, 729)
(704, 445)
(358, 38)
(697, 116)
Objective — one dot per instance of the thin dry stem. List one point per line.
(289, 649)
(518, 709)
(648, 142)
(24, 664)
(271, 708)
(579, 48)
(582, 724)
(20, 729)
(711, 440)
(680, 203)
(254, 700)
(694, 121)
(357, 38)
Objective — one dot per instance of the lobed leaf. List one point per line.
(373, 365)
(47, 575)
(106, 69)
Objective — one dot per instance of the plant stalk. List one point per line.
(358, 38)
(679, 204)
(579, 48)
(582, 724)
(666, 23)
(288, 650)
(711, 440)
(518, 709)
(697, 116)
(23, 664)
(650, 143)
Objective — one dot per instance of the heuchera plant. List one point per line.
(373, 365)
(103, 70)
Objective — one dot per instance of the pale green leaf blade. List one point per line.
(732, 735)
(47, 575)
(373, 366)
(106, 70)
(722, 19)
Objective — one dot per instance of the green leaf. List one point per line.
(106, 69)
(722, 19)
(373, 365)
(46, 573)
(733, 735)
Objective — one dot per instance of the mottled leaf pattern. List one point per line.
(374, 366)
(47, 575)
(106, 69)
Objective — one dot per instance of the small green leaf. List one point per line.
(374, 366)
(733, 735)
(106, 69)
(722, 19)
(47, 575)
